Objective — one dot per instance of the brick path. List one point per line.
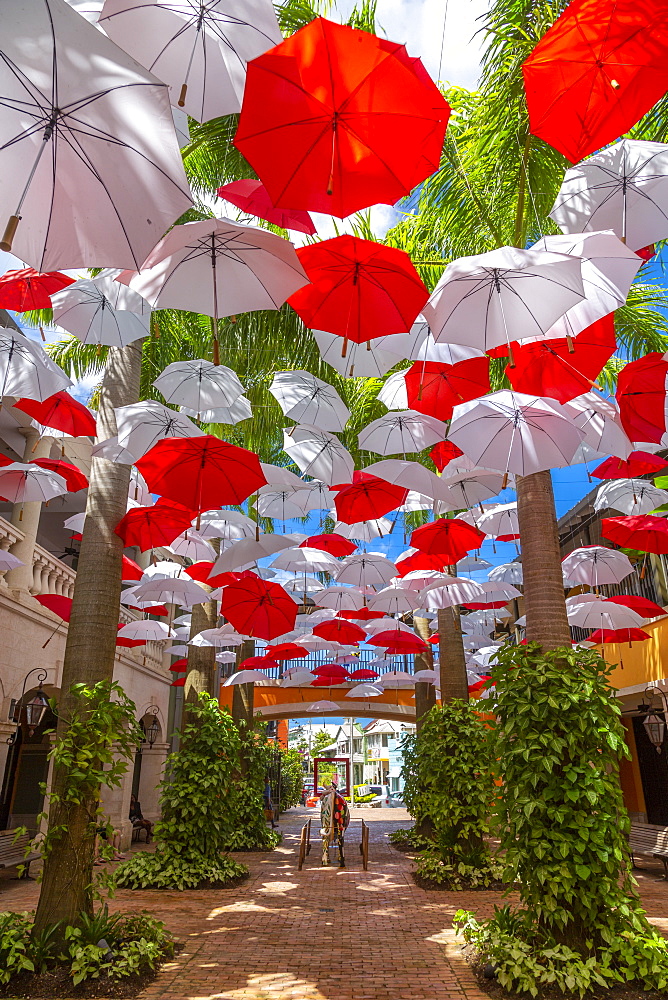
(322, 933)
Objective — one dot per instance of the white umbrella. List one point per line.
(112, 179)
(219, 268)
(426, 677)
(364, 691)
(24, 482)
(9, 561)
(608, 269)
(339, 598)
(515, 432)
(175, 591)
(178, 650)
(191, 545)
(321, 707)
(365, 531)
(300, 678)
(238, 410)
(396, 679)
(282, 504)
(394, 394)
(249, 550)
(369, 360)
(225, 635)
(416, 501)
(149, 631)
(503, 295)
(472, 564)
(278, 475)
(507, 573)
(595, 565)
(630, 496)
(412, 475)
(198, 384)
(163, 570)
(183, 620)
(84, 310)
(141, 425)
(27, 370)
(623, 188)
(199, 49)
(318, 453)
(316, 495)
(226, 524)
(401, 432)
(600, 613)
(308, 400)
(366, 569)
(418, 579)
(112, 451)
(470, 488)
(498, 590)
(306, 559)
(301, 584)
(394, 601)
(75, 522)
(499, 520)
(454, 591)
(251, 677)
(599, 421)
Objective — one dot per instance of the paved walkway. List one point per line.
(322, 933)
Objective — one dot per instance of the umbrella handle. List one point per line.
(9, 233)
(182, 95)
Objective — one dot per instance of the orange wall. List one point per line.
(643, 661)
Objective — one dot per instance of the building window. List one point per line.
(384, 739)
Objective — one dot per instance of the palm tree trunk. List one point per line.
(544, 602)
(451, 657)
(425, 660)
(90, 651)
(201, 675)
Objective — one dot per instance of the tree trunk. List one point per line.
(423, 661)
(243, 696)
(425, 699)
(90, 651)
(451, 657)
(544, 602)
(201, 675)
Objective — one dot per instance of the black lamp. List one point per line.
(35, 710)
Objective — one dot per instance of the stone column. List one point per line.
(26, 516)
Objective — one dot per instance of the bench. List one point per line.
(13, 852)
(646, 838)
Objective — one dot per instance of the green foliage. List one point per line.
(458, 876)
(194, 828)
(448, 781)
(292, 777)
(409, 839)
(133, 942)
(246, 829)
(563, 829)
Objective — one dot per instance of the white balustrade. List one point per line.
(8, 536)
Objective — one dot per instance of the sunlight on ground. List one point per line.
(278, 887)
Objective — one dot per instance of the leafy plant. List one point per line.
(292, 777)
(14, 945)
(458, 876)
(246, 828)
(563, 828)
(165, 870)
(410, 839)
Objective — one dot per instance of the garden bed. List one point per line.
(616, 992)
(57, 983)
(431, 885)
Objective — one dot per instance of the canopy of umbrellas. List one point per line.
(332, 120)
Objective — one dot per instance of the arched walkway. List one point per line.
(293, 703)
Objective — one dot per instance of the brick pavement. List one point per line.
(322, 933)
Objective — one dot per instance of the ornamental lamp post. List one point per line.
(35, 708)
(654, 723)
(151, 730)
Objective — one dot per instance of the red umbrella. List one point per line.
(151, 527)
(368, 497)
(74, 478)
(447, 537)
(158, 610)
(618, 635)
(419, 560)
(286, 651)
(179, 666)
(200, 571)
(641, 394)
(400, 642)
(62, 412)
(327, 681)
(358, 289)
(485, 606)
(595, 73)
(563, 368)
(132, 571)
(258, 608)
(646, 252)
(60, 605)
(333, 543)
(30, 289)
(478, 685)
(335, 120)
(251, 196)
(201, 472)
(644, 532)
(256, 663)
(435, 388)
(443, 453)
(362, 615)
(336, 630)
(178, 683)
(648, 609)
(331, 670)
(639, 463)
(130, 643)
(363, 674)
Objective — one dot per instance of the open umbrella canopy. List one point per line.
(175, 591)
(366, 569)
(448, 538)
(401, 433)
(333, 543)
(319, 454)
(23, 482)
(605, 635)
(630, 496)
(259, 608)
(73, 477)
(306, 560)
(641, 605)
(595, 73)
(246, 552)
(286, 651)
(339, 599)
(141, 425)
(443, 453)
(451, 592)
(201, 472)
(367, 497)
(146, 631)
(359, 288)
(639, 463)
(507, 573)
(151, 527)
(436, 388)
(62, 412)
(645, 532)
(27, 370)
(112, 180)
(487, 300)
(86, 310)
(413, 560)
(599, 422)
(402, 642)
(642, 397)
(199, 50)
(58, 603)
(335, 119)
(599, 613)
(594, 565)
(307, 399)
(30, 289)
(337, 630)
(623, 188)
(411, 475)
(563, 368)
(199, 385)
(394, 601)
(374, 358)
(252, 196)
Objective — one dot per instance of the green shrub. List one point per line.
(176, 871)
(458, 876)
(14, 945)
(292, 777)
(246, 827)
(410, 839)
(563, 830)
